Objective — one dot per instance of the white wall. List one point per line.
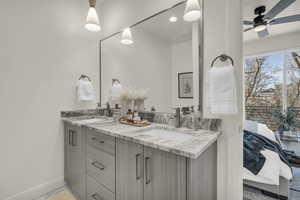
(144, 64)
(272, 44)
(182, 61)
(44, 49)
(223, 34)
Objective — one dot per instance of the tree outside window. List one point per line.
(265, 86)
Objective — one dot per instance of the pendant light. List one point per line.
(92, 20)
(192, 11)
(127, 37)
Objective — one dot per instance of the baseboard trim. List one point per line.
(38, 191)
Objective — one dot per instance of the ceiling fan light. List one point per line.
(192, 11)
(260, 27)
(127, 37)
(92, 21)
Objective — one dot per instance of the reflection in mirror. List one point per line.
(157, 63)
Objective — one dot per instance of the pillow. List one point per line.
(250, 126)
(260, 129)
(265, 131)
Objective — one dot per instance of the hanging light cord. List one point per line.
(92, 3)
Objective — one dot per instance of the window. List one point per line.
(272, 84)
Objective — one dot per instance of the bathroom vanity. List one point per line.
(105, 160)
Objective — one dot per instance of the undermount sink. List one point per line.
(94, 120)
(167, 134)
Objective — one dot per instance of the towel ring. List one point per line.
(84, 76)
(223, 58)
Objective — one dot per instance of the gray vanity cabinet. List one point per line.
(130, 170)
(102, 167)
(164, 175)
(148, 174)
(74, 160)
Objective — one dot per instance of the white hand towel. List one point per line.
(85, 90)
(222, 90)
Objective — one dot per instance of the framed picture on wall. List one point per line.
(185, 85)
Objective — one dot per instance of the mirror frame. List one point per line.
(199, 26)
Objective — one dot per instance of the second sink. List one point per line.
(166, 134)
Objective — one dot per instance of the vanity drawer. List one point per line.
(100, 141)
(101, 166)
(96, 191)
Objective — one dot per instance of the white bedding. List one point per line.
(273, 167)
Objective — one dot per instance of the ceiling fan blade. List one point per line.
(246, 22)
(262, 34)
(248, 29)
(282, 20)
(278, 8)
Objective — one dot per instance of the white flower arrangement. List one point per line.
(128, 97)
(131, 94)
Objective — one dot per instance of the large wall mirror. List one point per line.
(163, 60)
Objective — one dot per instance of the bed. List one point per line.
(274, 178)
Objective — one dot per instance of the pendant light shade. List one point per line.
(92, 20)
(127, 37)
(192, 11)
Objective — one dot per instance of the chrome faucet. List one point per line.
(108, 110)
(177, 118)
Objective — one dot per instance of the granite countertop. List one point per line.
(180, 141)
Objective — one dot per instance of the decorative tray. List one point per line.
(135, 123)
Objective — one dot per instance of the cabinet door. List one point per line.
(74, 159)
(164, 175)
(129, 168)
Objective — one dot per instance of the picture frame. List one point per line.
(185, 85)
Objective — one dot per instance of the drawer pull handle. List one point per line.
(94, 139)
(98, 165)
(137, 166)
(74, 138)
(96, 196)
(147, 162)
(70, 137)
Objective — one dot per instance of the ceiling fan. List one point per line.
(260, 23)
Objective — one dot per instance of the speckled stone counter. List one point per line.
(186, 142)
